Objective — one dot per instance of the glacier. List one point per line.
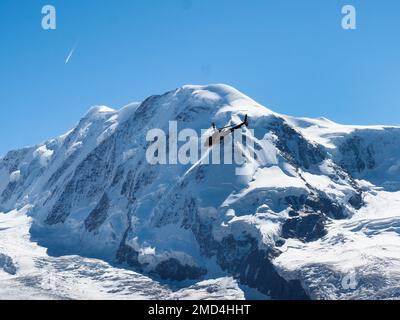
(317, 217)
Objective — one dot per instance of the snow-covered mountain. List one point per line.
(318, 216)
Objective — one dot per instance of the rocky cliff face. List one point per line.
(92, 192)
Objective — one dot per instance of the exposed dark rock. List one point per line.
(356, 201)
(89, 182)
(253, 267)
(118, 176)
(246, 262)
(296, 202)
(13, 159)
(97, 217)
(293, 213)
(62, 208)
(356, 156)
(62, 170)
(279, 243)
(173, 269)
(9, 191)
(294, 147)
(7, 264)
(316, 202)
(306, 228)
(136, 181)
(321, 203)
(129, 255)
(203, 233)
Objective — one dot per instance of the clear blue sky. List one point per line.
(292, 56)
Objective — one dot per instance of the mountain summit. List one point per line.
(320, 205)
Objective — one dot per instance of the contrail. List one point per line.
(71, 53)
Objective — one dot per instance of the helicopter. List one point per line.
(220, 133)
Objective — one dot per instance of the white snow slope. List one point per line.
(34, 275)
(317, 217)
